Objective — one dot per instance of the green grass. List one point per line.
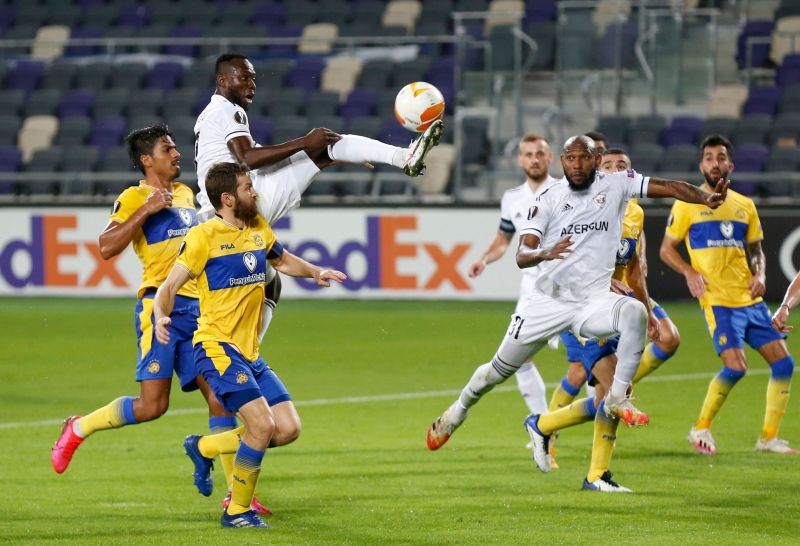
(360, 472)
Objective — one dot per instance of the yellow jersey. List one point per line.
(632, 226)
(157, 242)
(717, 241)
(230, 265)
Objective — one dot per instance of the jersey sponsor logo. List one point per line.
(532, 212)
(706, 213)
(726, 228)
(240, 117)
(600, 200)
(227, 246)
(249, 261)
(577, 229)
(153, 367)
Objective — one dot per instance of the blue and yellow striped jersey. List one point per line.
(632, 226)
(157, 243)
(716, 241)
(230, 265)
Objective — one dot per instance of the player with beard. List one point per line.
(727, 276)
(572, 235)
(227, 257)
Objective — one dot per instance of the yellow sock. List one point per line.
(716, 395)
(212, 445)
(580, 411)
(563, 395)
(778, 390)
(605, 436)
(226, 459)
(652, 358)
(246, 468)
(117, 413)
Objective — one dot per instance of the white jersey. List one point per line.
(593, 218)
(514, 208)
(218, 123)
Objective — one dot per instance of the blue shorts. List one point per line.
(158, 361)
(572, 345)
(235, 380)
(732, 327)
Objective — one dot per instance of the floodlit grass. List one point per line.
(368, 378)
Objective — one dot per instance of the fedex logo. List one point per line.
(391, 261)
(40, 258)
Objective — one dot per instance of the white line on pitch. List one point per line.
(388, 397)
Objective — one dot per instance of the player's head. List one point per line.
(535, 156)
(153, 151)
(716, 160)
(236, 79)
(228, 185)
(600, 141)
(614, 160)
(580, 161)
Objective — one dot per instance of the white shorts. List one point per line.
(539, 317)
(525, 288)
(279, 187)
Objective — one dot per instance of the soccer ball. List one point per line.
(418, 105)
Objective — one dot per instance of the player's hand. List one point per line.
(653, 327)
(558, 251)
(324, 276)
(618, 287)
(476, 269)
(696, 283)
(158, 200)
(162, 329)
(714, 200)
(320, 138)
(757, 285)
(779, 320)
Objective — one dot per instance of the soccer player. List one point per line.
(727, 276)
(281, 173)
(153, 216)
(572, 234)
(534, 157)
(227, 258)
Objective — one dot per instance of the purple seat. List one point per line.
(359, 103)
(677, 136)
(269, 14)
(306, 73)
(606, 45)
(788, 73)
(540, 10)
(762, 100)
(10, 161)
(7, 16)
(108, 132)
(759, 53)
(78, 102)
(183, 31)
(83, 50)
(393, 133)
(282, 31)
(134, 15)
(261, 129)
(749, 158)
(164, 76)
(25, 76)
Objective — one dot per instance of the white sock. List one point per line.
(359, 149)
(632, 323)
(531, 385)
(266, 317)
(483, 380)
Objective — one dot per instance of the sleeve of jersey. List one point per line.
(754, 230)
(637, 183)
(537, 218)
(506, 225)
(193, 252)
(125, 206)
(275, 251)
(231, 124)
(677, 222)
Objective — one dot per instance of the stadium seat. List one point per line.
(340, 75)
(375, 74)
(84, 33)
(717, 125)
(261, 129)
(727, 100)
(9, 127)
(108, 132)
(134, 15)
(58, 76)
(164, 76)
(10, 161)
(285, 102)
(37, 133)
(752, 130)
(25, 75)
(146, 102)
(78, 102)
(679, 159)
(748, 158)
(112, 102)
(756, 53)
(784, 160)
(762, 100)
(93, 75)
(289, 127)
(129, 75)
(365, 126)
(409, 71)
(359, 103)
(544, 34)
(783, 37)
(73, 131)
(615, 128)
(646, 157)
(184, 31)
(11, 101)
(403, 13)
(79, 159)
(439, 166)
(100, 15)
(788, 73)
(322, 103)
(785, 126)
(503, 13)
(43, 102)
(317, 38)
(46, 160)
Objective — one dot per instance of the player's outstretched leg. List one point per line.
(624, 410)
(202, 466)
(65, 446)
(414, 164)
(540, 443)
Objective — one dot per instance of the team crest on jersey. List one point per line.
(624, 246)
(600, 200)
(258, 240)
(240, 117)
(532, 212)
(740, 214)
(727, 229)
(153, 367)
(241, 378)
(249, 261)
(185, 216)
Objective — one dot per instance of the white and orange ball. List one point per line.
(417, 105)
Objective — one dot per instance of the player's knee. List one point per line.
(263, 429)
(669, 339)
(152, 409)
(286, 433)
(632, 315)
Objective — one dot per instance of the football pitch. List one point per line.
(368, 378)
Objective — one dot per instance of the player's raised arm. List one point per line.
(683, 191)
(294, 266)
(165, 299)
(496, 249)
